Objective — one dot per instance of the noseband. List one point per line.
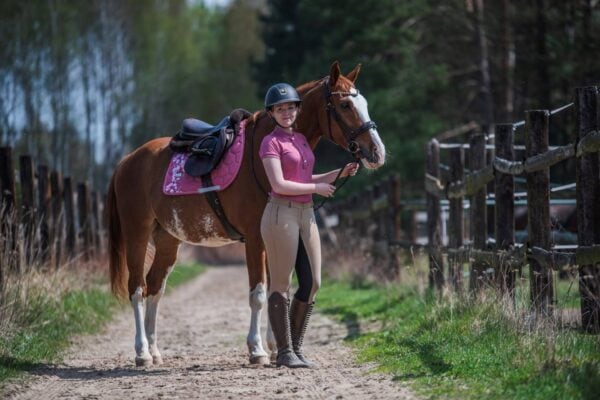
(349, 134)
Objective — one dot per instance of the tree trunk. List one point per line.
(486, 100)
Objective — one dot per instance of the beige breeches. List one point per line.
(282, 226)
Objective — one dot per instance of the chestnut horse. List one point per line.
(145, 224)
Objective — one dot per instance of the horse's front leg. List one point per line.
(255, 258)
(164, 259)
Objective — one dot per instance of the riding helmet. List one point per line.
(281, 93)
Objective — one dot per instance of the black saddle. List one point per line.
(195, 128)
(206, 143)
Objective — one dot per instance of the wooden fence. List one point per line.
(45, 220)
(493, 165)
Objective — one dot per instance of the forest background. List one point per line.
(82, 83)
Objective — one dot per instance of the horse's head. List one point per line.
(344, 118)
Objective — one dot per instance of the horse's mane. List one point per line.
(308, 86)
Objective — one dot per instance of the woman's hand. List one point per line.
(349, 170)
(324, 189)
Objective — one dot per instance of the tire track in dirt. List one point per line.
(202, 336)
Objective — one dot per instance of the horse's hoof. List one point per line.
(259, 360)
(157, 360)
(143, 361)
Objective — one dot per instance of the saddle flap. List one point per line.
(206, 153)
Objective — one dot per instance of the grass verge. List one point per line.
(47, 320)
(456, 350)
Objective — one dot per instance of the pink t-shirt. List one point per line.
(297, 159)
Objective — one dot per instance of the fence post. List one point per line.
(57, 219)
(43, 212)
(456, 220)
(84, 219)
(478, 210)
(588, 207)
(70, 242)
(27, 205)
(538, 211)
(436, 263)
(394, 209)
(8, 229)
(504, 210)
(97, 224)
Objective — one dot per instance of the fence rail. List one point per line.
(498, 168)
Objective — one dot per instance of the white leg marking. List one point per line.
(150, 321)
(258, 299)
(143, 357)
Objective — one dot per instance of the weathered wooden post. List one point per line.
(538, 211)
(354, 232)
(8, 226)
(379, 252)
(588, 206)
(504, 211)
(394, 210)
(97, 223)
(436, 263)
(43, 212)
(70, 240)
(478, 211)
(456, 220)
(83, 211)
(27, 205)
(57, 220)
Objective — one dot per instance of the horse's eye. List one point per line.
(345, 105)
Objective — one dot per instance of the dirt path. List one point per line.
(202, 334)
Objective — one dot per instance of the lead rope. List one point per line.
(337, 188)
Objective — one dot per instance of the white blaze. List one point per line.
(361, 107)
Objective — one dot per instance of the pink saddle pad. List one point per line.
(178, 182)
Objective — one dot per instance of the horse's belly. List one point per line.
(201, 231)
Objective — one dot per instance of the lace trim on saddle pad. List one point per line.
(178, 182)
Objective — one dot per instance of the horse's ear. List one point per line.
(352, 75)
(334, 73)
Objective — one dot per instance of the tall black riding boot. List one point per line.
(280, 323)
(300, 313)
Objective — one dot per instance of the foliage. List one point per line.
(461, 350)
(83, 84)
(424, 61)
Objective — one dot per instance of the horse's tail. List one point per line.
(118, 268)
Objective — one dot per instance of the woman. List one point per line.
(288, 224)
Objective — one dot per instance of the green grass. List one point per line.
(183, 273)
(451, 350)
(47, 322)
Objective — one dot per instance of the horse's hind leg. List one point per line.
(136, 248)
(164, 259)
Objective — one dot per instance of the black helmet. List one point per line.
(281, 93)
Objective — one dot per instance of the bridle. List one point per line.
(349, 134)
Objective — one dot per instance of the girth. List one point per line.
(213, 200)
